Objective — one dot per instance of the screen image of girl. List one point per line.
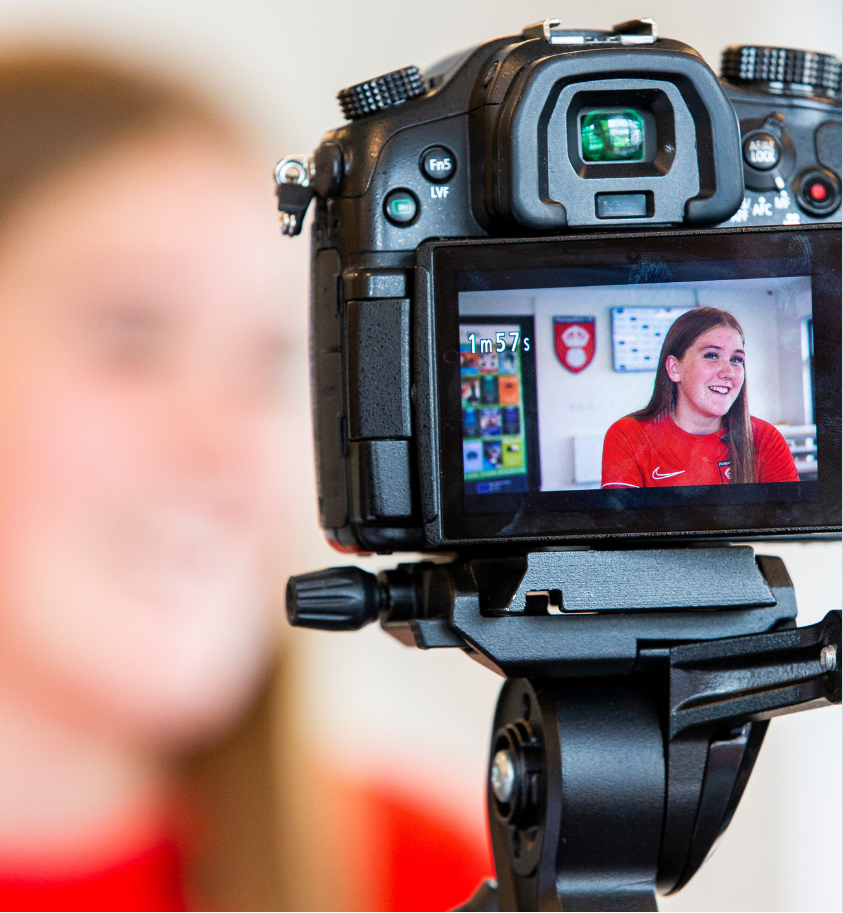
(697, 428)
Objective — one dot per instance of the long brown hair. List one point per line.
(680, 337)
(60, 110)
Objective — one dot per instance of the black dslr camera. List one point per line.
(575, 323)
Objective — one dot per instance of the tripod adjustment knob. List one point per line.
(336, 599)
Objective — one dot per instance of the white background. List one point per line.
(424, 718)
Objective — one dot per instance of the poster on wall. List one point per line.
(638, 334)
(497, 377)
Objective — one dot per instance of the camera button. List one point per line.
(762, 151)
(818, 192)
(438, 164)
(827, 143)
(401, 207)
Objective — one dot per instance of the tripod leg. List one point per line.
(576, 794)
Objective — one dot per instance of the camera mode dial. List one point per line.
(380, 93)
(782, 69)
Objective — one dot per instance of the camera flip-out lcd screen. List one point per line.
(641, 385)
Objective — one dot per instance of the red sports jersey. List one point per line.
(658, 453)
(413, 856)
(149, 879)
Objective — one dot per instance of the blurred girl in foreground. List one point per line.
(152, 457)
(141, 427)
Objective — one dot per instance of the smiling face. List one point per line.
(150, 439)
(708, 379)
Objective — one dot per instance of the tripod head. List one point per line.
(639, 688)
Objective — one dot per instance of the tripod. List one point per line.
(639, 688)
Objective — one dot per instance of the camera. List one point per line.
(575, 326)
(499, 248)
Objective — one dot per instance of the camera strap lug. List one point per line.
(294, 176)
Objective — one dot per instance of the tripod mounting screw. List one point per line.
(828, 658)
(502, 776)
(514, 774)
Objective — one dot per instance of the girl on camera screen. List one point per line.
(697, 429)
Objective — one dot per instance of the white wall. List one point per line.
(382, 708)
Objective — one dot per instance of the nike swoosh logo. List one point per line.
(665, 475)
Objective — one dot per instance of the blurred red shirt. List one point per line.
(424, 861)
(149, 879)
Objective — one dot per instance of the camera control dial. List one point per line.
(782, 69)
(380, 93)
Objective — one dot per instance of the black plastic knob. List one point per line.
(381, 92)
(336, 599)
(806, 71)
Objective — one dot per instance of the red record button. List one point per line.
(818, 192)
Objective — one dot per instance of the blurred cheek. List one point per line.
(136, 552)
